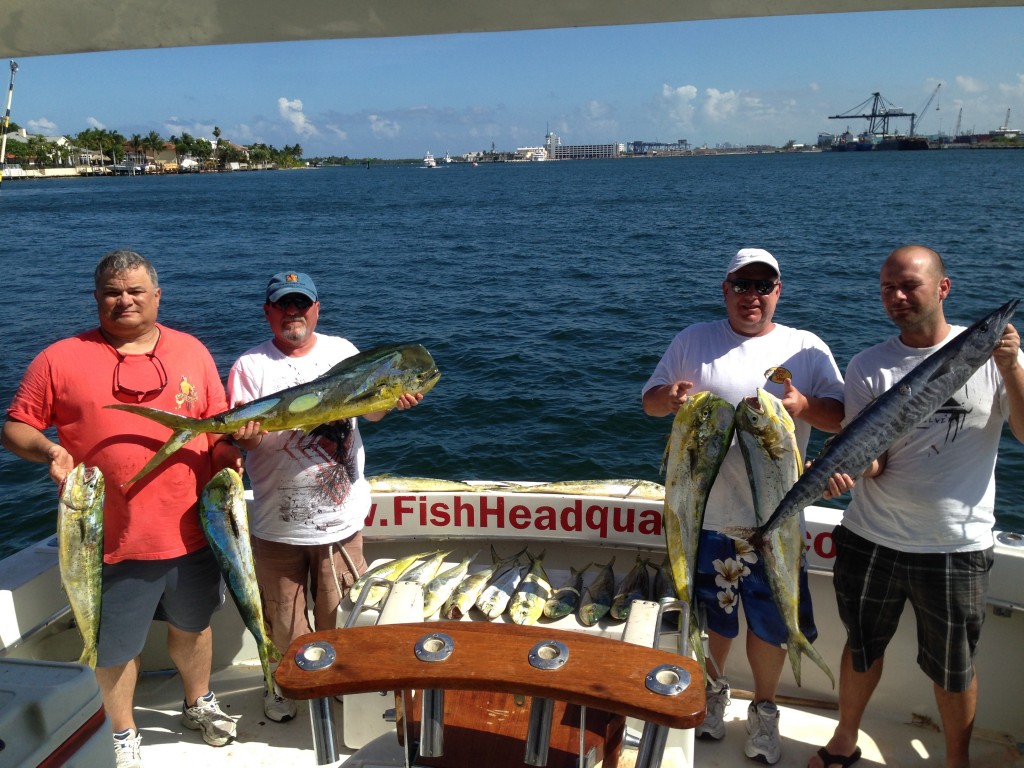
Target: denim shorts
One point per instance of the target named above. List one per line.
(727, 579)
(946, 591)
(183, 591)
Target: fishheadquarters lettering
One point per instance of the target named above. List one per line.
(453, 513)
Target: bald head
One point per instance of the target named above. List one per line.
(914, 285)
(928, 261)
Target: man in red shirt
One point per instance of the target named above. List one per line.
(157, 563)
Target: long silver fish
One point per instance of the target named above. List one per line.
(373, 380)
(226, 525)
(767, 438)
(440, 588)
(597, 598)
(625, 489)
(80, 552)
(426, 570)
(566, 598)
(700, 438)
(895, 413)
(399, 484)
(635, 586)
(392, 570)
(496, 596)
(527, 604)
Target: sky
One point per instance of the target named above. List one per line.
(741, 81)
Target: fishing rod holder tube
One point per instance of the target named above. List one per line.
(315, 657)
(432, 649)
(547, 655)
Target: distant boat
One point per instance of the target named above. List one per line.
(448, 158)
(429, 161)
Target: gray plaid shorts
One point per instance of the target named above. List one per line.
(946, 590)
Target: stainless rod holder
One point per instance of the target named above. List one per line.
(322, 720)
(432, 723)
(538, 733)
(652, 746)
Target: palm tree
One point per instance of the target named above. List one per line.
(153, 143)
(216, 136)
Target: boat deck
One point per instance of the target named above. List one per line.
(168, 744)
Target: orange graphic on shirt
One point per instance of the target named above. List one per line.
(186, 396)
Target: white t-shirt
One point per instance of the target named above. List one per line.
(717, 359)
(937, 491)
(307, 488)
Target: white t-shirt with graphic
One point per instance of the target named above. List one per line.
(937, 491)
(307, 488)
(717, 359)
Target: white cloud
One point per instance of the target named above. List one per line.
(814, 87)
(42, 125)
(292, 112)
(1014, 91)
(92, 122)
(721, 106)
(970, 84)
(383, 128)
(338, 132)
(680, 102)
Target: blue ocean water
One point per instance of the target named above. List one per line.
(546, 292)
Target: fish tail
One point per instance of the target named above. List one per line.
(176, 441)
(174, 421)
(801, 644)
(89, 655)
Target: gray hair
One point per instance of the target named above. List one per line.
(120, 261)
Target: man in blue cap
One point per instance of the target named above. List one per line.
(310, 497)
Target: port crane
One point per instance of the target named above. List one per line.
(914, 122)
(881, 112)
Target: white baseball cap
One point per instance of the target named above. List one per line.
(745, 256)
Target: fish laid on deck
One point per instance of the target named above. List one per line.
(895, 413)
(80, 551)
(225, 522)
(596, 600)
(566, 598)
(399, 484)
(392, 571)
(636, 585)
(437, 591)
(527, 604)
(701, 433)
(765, 432)
(619, 489)
(373, 380)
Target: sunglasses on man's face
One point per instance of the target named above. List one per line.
(298, 301)
(742, 285)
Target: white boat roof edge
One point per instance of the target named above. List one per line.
(50, 27)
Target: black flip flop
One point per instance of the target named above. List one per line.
(841, 760)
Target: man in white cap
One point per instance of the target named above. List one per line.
(732, 358)
(310, 497)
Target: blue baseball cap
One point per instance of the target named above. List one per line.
(283, 283)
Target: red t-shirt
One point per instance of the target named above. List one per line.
(67, 385)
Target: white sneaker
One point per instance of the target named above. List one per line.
(206, 716)
(718, 698)
(277, 708)
(126, 749)
(763, 733)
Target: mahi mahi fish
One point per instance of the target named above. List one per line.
(566, 598)
(765, 432)
(373, 380)
(597, 598)
(440, 588)
(527, 604)
(465, 594)
(80, 552)
(636, 585)
(701, 434)
(496, 596)
(226, 525)
(894, 414)
(621, 489)
(391, 570)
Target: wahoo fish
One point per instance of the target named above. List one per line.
(226, 525)
(398, 484)
(373, 380)
(635, 586)
(527, 604)
(624, 489)
(495, 597)
(767, 438)
(80, 552)
(464, 596)
(701, 434)
(566, 598)
(597, 598)
(894, 414)
(391, 570)
(437, 591)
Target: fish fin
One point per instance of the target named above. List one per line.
(801, 644)
(741, 533)
(89, 655)
(176, 441)
(174, 421)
